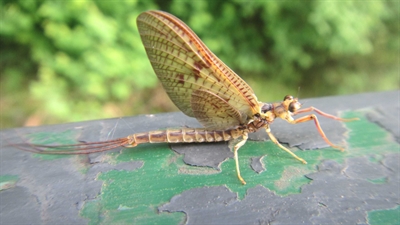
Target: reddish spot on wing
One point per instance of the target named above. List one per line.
(196, 70)
(180, 78)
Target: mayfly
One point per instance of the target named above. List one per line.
(203, 87)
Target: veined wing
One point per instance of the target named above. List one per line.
(184, 64)
(214, 112)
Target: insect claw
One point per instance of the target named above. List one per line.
(339, 148)
(302, 160)
(240, 178)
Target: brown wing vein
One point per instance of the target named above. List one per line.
(208, 57)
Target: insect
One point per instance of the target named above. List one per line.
(203, 87)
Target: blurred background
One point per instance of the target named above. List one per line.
(64, 61)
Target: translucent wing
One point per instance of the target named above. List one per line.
(214, 112)
(184, 64)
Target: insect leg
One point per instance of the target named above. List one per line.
(235, 154)
(273, 139)
(310, 109)
(321, 132)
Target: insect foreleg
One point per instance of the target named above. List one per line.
(235, 155)
(321, 132)
(310, 109)
(273, 139)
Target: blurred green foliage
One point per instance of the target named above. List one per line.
(77, 60)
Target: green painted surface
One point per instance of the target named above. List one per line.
(51, 138)
(385, 217)
(133, 196)
(8, 181)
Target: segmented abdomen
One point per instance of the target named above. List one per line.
(184, 135)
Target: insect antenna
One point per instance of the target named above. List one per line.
(298, 93)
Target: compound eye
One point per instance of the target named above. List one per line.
(288, 97)
(294, 106)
